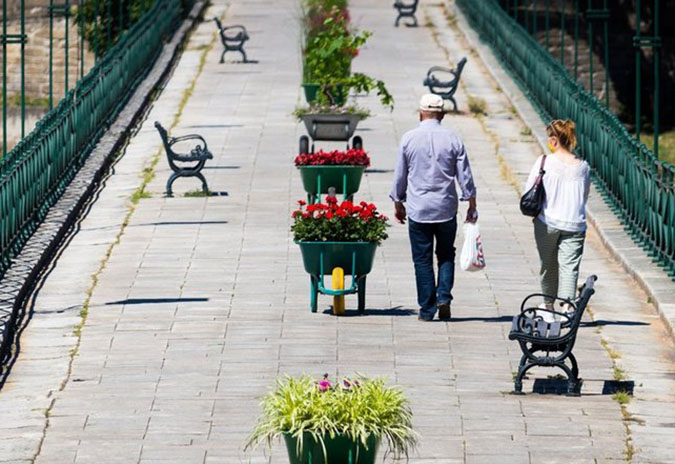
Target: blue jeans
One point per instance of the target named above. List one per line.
(422, 236)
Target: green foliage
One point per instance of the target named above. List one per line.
(328, 54)
(331, 109)
(98, 17)
(343, 223)
(666, 145)
(357, 408)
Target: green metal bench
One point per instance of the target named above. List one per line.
(199, 155)
(550, 344)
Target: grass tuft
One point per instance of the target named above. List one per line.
(198, 193)
(477, 106)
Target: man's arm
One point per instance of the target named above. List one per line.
(466, 183)
(398, 191)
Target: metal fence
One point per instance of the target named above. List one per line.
(37, 170)
(638, 187)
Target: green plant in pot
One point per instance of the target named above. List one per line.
(328, 55)
(337, 421)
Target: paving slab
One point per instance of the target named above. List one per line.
(202, 302)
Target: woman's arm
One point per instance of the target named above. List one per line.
(534, 172)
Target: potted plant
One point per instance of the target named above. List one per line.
(328, 55)
(338, 239)
(336, 421)
(341, 170)
(330, 122)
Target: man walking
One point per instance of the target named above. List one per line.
(430, 159)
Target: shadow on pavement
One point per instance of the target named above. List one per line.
(129, 301)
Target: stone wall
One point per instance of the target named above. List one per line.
(37, 52)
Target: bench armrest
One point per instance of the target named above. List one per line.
(187, 137)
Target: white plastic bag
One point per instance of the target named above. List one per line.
(472, 258)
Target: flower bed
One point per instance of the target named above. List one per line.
(343, 222)
(335, 418)
(353, 157)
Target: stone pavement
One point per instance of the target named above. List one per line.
(198, 304)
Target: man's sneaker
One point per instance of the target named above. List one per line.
(444, 311)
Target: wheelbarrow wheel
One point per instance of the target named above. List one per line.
(304, 145)
(357, 142)
(362, 294)
(338, 284)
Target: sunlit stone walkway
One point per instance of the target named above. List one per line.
(200, 303)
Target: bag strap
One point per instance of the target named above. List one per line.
(540, 177)
(541, 167)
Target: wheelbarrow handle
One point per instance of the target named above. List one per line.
(353, 287)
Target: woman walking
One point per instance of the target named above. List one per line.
(560, 227)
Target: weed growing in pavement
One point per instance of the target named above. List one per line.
(477, 106)
(198, 193)
(526, 132)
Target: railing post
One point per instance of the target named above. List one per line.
(562, 34)
(576, 40)
(534, 19)
(605, 18)
(657, 68)
(638, 66)
(96, 51)
(51, 53)
(66, 15)
(547, 24)
(590, 48)
(109, 24)
(4, 77)
(80, 7)
(23, 69)
(12, 39)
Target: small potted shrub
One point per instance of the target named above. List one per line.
(341, 170)
(335, 421)
(328, 55)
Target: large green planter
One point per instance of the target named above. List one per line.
(339, 450)
(316, 180)
(312, 92)
(353, 257)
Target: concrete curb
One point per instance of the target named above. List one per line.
(651, 278)
(26, 270)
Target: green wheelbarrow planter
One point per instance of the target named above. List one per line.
(338, 259)
(339, 450)
(316, 180)
(312, 93)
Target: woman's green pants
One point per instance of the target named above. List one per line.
(560, 256)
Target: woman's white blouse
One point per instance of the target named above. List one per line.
(566, 193)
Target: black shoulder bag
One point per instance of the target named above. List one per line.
(532, 201)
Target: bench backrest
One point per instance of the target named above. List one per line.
(585, 294)
(163, 134)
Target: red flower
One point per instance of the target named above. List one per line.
(302, 202)
(352, 157)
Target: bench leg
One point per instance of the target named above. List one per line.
(518, 383)
(398, 18)
(222, 57)
(414, 23)
(205, 187)
(575, 366)
(454, 103)
(169, 183)
(243, 54)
